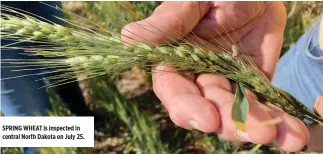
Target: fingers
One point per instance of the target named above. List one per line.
(217, 89)
(187, 108)
(318, 106)
(210, 111)
(170, 21)
(292, 133)
(208, 80)
(316, 142)
(257, 115)
(193, 112)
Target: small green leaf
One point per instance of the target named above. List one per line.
(240, 108)
(254, 149)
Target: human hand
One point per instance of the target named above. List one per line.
(204, 101)
(316, 130)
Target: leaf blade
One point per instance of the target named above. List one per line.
(240, 108)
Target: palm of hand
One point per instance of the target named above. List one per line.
(256, 27)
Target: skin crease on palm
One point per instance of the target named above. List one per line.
(203, 101)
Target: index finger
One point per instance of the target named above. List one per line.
(186, 106)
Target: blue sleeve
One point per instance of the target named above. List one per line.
(300, 70)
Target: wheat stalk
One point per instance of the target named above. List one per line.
(82, 50)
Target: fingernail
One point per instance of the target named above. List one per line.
(243, 136)
(194, 124)
(318, 106)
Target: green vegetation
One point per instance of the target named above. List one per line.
(140, 124)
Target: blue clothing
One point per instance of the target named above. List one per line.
(300, 70)
(22, 96)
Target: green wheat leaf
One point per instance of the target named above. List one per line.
(254, 149)
(240, 108)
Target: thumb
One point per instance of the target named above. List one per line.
(318, 106)
(170, 21)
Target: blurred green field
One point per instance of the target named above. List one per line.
(300, 17)
(135, 121)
